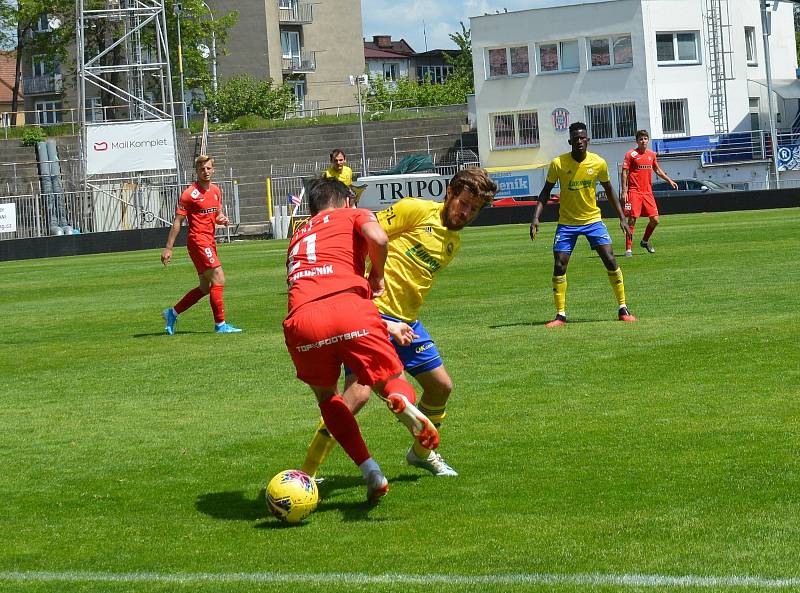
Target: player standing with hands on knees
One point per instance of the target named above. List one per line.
(201, 205)
(332, 321)
(578, 172)
(637, 189)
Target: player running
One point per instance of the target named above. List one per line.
(637, 189)
(201, 205)
(423, 239)
(332, 321)
(578, 172)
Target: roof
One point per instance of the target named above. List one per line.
(384, 53)
(788, 88)
(8, 65)
(398, 47)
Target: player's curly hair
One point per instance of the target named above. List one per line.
(326, 193)
(477, 181)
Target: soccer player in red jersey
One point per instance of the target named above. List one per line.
(332, 321)
(637, 189)
(201, 205)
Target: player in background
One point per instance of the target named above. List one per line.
(332, 321)
(201, 205)
(338, 169)
(423, 239)
(637, 189)
(578, 172)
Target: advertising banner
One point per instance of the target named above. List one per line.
(8, 218)
(129, 147)
(381, 191)
(518, 181)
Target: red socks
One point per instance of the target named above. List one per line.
(343, 426)
(629, 239)
(401, 386)
(648, 231)
(189, 299)
(217, 304)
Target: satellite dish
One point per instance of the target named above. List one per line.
(54, 22)
(204, 51)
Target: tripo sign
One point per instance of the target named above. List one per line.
(382, 191)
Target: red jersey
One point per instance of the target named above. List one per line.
(327, 255)
(640, 170)
(201, 209)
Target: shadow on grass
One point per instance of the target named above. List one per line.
(162, 334)
(541, 323)
(233, 506)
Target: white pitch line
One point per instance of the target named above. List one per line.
(625, 580)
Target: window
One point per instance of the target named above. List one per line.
(434, 74)
(42, 24)
(48, 112)
(750, 46)
(290, 45)
(677, 48)
(390, 71)
(674, 118)
(610, 52)
(560, 56)
(515, 130)
(500, 58)
(611, 121)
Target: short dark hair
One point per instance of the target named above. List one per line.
(578, 125)
(640, 133)
(336, 152)
(326, 193)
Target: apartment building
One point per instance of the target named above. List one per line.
(692, 72)
(315, 47)
(394, 59)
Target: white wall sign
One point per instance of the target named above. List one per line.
(128, 147)
(8, 218)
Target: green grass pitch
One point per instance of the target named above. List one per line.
(602, 456)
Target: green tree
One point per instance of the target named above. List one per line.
(18, 32)
(462, 62)
(244, 95)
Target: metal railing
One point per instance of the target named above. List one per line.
(306, 61)
(42, 85)
(299, 13)
(106, 206)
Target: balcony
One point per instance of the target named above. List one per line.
(47, 84)
(300, 64)
(296, 13)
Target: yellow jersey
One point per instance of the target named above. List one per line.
(578, 200)
(346, 176)
(419, 247)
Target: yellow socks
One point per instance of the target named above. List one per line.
(321, 446)
(560, 294)
(616, 282)
(435, 414)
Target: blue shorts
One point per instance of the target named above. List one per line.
(567, 235)
(418, 357)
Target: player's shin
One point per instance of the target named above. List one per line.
(436, 414)
(321, 446)
(617, 283)
(343, 426)
(560, 294)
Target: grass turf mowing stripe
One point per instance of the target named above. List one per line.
(596, 579)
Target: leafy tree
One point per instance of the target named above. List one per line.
(18, 23)
(462, 63)
(244, 95)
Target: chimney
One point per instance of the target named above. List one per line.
(383, 41)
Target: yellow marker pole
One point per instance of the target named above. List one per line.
(269, 197)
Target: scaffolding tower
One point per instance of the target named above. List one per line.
(720, 69)
(123, 59)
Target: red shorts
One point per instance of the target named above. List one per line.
(204, 257)
(343, 329)
(640, 204)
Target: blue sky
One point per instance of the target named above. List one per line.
(403, 20)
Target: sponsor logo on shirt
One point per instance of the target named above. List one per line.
(422, 257)
(195, 195)
(325, 270)
(580, 184)
(424, 347)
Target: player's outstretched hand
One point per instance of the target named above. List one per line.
(400, 331)
(166, 256)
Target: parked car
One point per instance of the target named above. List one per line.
(688, 187)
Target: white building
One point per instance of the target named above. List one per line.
(692, 72)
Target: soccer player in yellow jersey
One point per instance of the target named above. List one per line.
(423, 240)
(338, 169)
(577, 172)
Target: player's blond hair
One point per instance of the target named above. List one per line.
(202, 160)
(477, 181)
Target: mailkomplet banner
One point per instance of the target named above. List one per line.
(130, 147)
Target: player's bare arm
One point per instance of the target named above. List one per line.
(378, 249)
(400, 331)
(166, 255)
(624, 188)
(612, 199)
(660, 172)
(544, 196)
